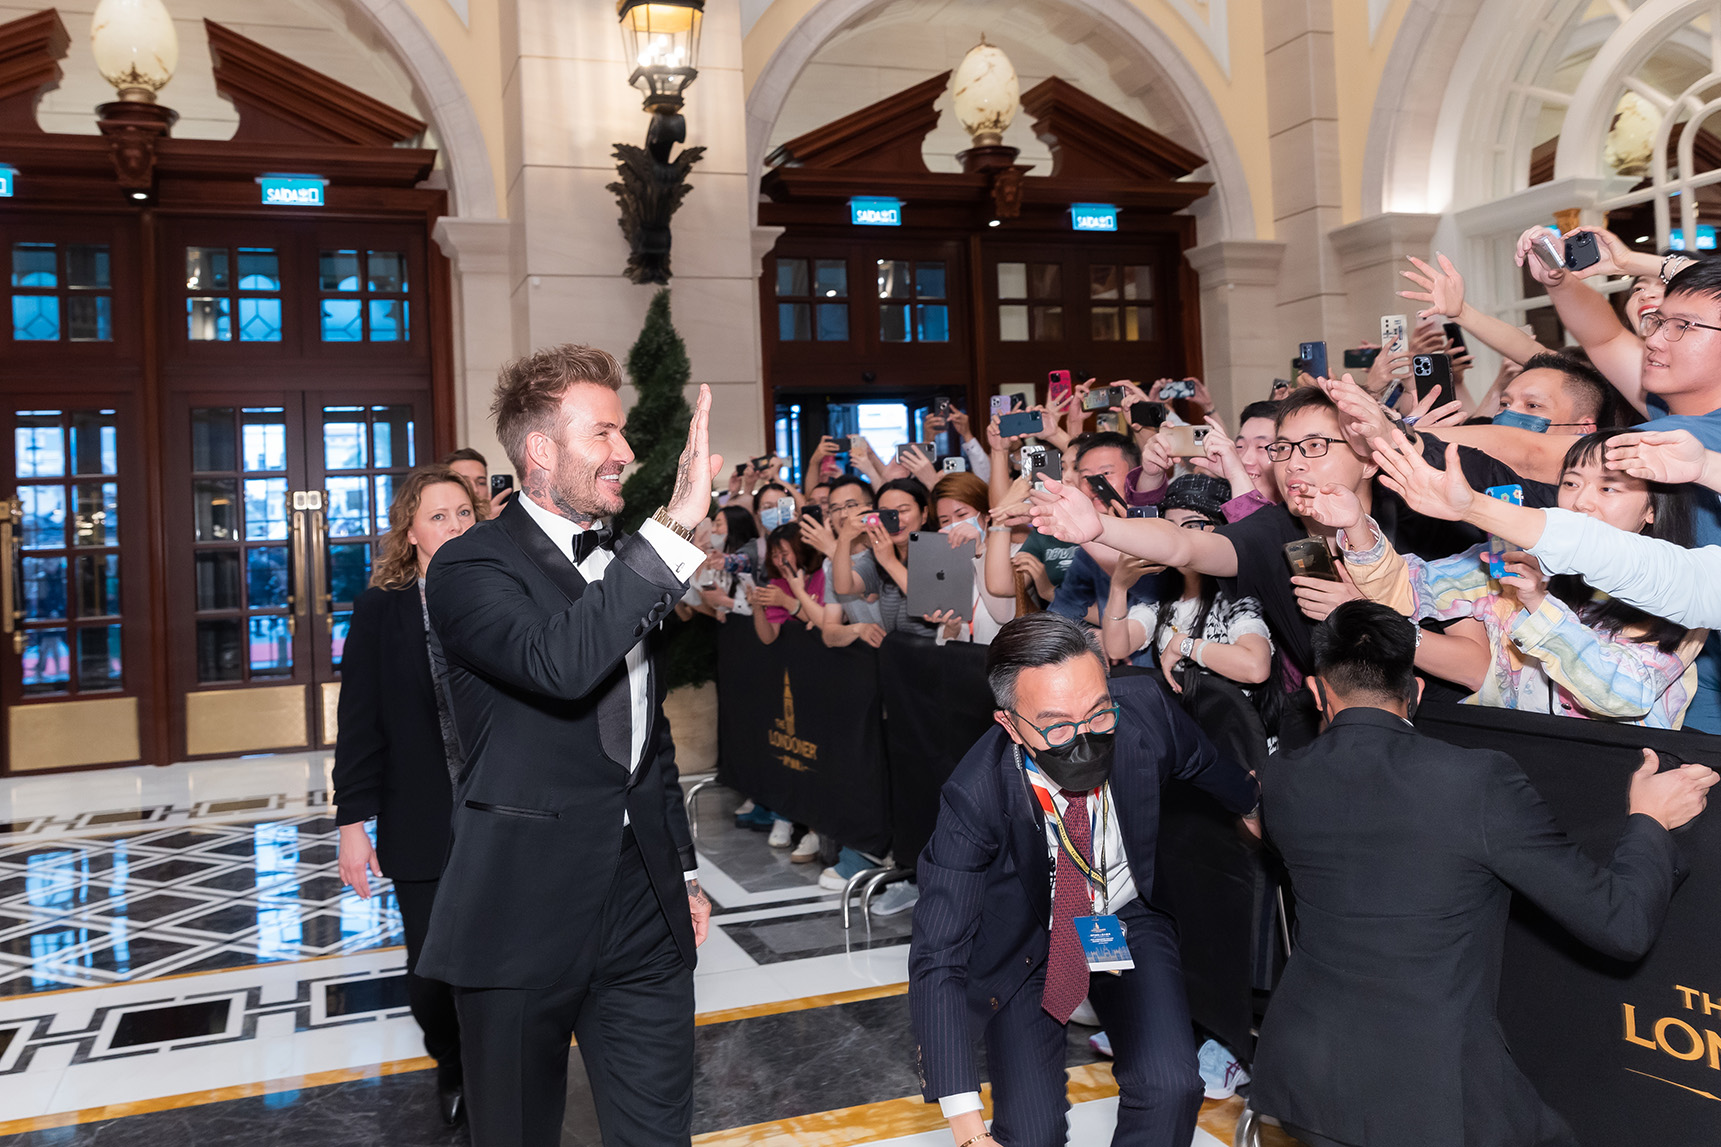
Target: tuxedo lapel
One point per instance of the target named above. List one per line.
(540, 550)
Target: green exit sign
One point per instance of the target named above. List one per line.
(292, 190)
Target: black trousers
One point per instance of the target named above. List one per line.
(628, 999)
(432, 1000)
(1146, 1014)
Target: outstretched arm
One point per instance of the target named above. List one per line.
(1069, 515)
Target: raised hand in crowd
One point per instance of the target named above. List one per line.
(919, 466)
(1525, 579)
(1034, 570)
(1222, 459)
(1334, 506)
(959, 423)
(1428, 416)
(1672, 457)
(1673, 798)
(961, 533)
(1064, 511)
(863, 459)
(1156, 464)
(1442, 289)
(817, 534)
(1076, 417)
(1054, 435)
(1014, 509)
(1433, 493)
(1364, 419)
(1385, 370)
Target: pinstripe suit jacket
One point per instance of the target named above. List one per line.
(981, 926)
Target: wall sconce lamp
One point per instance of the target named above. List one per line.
(136, 50)
(661, 40)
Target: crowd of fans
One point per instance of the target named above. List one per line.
(1196, 552)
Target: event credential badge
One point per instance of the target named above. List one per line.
(1104, 944)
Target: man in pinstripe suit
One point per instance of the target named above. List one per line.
(1046, 831)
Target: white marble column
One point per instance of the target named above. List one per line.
(484, 338)
(1240, 331)
(567, 102)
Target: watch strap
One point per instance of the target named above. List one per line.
(662, 518)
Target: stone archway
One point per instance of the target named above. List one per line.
(1234, 215)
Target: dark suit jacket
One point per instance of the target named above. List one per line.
(531, 647)
(389, 758)
(1403, 852)
(981, 924)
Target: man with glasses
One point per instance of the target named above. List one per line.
(1036, 888)
(1308, 452)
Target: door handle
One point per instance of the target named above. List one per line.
(12, 571)
(295, 561)
(317, 559)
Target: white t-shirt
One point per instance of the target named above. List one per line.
(1228, 620)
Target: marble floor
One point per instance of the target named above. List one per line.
(180, 962)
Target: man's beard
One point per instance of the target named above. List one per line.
(581, 496)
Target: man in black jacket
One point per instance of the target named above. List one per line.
(1045, 834)
(1404, 852)
(570, 903)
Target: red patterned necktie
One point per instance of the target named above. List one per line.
(1067, 963)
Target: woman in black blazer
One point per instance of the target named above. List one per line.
(396, 753)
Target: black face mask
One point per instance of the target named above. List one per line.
(1080, 766)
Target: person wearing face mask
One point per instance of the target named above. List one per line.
(962, 504)
(1404, 852)
(1525, 641)
(880, 571)
(773, 506)
(1037, 885)
(397, 753)
(1559, 394)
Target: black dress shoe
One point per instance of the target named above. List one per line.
(451, 1101)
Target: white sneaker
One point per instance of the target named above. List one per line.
(744, 807)
(899, 897)
(808, 850)
(1221, 1074)
(782, 834)
(832, 881)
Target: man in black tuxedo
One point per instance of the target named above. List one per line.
(1404, 852)
(1047, 830)
(570, 902)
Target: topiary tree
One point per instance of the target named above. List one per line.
(657, 424)
(657, 431)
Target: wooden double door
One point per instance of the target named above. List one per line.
(213, 609)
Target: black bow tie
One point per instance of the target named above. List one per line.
(595, 538)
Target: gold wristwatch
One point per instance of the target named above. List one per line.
(662, 518)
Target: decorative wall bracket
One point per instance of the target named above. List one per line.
(652, 187)
(132, 130)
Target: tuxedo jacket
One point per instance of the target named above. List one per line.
(982, 924)
(390, 761)
(531, 648)
(1403, 853)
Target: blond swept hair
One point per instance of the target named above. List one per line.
(529, 390)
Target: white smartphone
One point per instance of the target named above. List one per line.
(1394, 335)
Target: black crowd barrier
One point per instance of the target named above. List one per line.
(856, 743)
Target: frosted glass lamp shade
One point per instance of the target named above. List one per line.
(986, 94)
(661, 42)
(135, 46)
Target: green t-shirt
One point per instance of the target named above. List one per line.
(1056, 556)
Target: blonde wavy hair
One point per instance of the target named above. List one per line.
(396, 565)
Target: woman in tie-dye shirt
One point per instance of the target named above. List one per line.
(1527, 641)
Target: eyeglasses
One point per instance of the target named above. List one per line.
(1064, 732)
(845, 507)
(1308, 448)
(1671, 329)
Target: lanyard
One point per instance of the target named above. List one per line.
(1095, 875)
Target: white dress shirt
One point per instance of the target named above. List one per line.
(681, 556)
(1119, 882)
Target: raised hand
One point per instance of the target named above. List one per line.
(1433, 493)
(919, 467)
(1615, 255)
(1442, 289)
(1364, 417)
(697, 469)
(1131, 569)
(1526, 579)
(1387, 369)
(1673, 457)
(1063, 511)
(1525, 257)
(1331, 505)
(959, 423)
(818, 535)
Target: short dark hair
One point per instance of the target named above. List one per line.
(464, 454)
(1592, 395)
(1105, 439)
(529, 392)
(1263, 409)
(1701, 278)
(856, 480)
(1032, 642)
(1365, 649)
(909, 486)
(768, 486)
(1301, 399)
